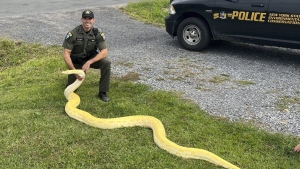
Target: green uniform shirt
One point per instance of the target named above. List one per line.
(81, 43)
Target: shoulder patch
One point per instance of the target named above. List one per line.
(103, 36)
(69, 34)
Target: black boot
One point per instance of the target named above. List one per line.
(102, 96)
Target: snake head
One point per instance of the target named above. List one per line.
(76, 71)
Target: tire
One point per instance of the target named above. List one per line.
(193, 34)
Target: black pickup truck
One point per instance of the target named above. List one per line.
(264, 22)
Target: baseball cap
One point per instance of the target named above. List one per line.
(87, 13)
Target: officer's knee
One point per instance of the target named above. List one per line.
(105, 64)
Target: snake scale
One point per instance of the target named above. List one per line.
(159, 134)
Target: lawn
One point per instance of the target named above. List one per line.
(35, 132)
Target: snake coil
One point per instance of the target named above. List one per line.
(157, 127)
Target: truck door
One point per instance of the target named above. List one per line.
(241, 18)
(284, 21)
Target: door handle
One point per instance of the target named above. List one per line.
(234, 1)
(257, 5)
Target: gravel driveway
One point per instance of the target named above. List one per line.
(237, 81)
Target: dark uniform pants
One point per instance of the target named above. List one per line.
(104, 66)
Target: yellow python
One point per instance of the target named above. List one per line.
(157, 127)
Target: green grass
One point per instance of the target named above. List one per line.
(35, 132)
(149, 11)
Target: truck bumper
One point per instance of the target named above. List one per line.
(170, 23)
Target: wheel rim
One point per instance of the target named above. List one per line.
(191, 35)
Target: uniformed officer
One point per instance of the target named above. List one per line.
(85, 47)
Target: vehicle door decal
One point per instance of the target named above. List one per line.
(242, 15)
(277, 18)
(292, 19)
